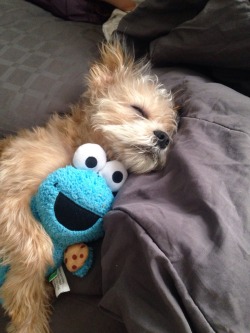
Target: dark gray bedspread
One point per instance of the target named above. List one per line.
(176, 254)
(43, 60)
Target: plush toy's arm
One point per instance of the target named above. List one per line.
(3, 270)
(78, 259)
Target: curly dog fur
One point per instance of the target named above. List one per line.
(129, 114)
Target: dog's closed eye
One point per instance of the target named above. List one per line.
(139, 111)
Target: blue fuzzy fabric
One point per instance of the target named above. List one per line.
(84, 188)
(3, 271)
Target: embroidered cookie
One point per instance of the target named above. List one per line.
(75, 256)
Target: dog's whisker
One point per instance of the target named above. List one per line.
(142, 149)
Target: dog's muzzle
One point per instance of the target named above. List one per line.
(72, 216)
(162, 139)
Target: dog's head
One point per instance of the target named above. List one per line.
(130, 109)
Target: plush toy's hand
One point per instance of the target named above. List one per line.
(75, 256)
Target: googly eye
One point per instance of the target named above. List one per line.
(115, 175)
(89, 156)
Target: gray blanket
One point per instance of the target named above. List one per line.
(176, 254)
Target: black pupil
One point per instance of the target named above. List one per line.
(91, 162)
(117, 177)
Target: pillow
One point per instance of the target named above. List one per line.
(208, 33)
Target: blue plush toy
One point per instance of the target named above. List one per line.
(72, 201)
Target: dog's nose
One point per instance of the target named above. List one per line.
(162, 139)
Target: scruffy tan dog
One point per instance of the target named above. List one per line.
(129, 114)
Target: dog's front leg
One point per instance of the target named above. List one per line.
(28, 306)
(28, 251)
(25, 292)
(24, 245)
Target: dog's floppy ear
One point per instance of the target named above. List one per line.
(115, 60)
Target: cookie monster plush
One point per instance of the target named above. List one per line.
(72, 201)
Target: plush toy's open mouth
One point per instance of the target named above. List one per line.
(72, 216)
